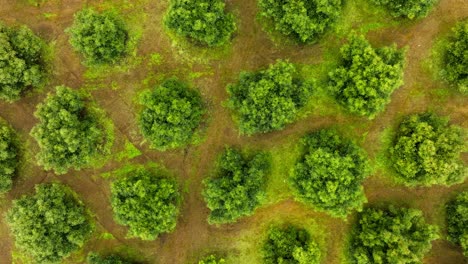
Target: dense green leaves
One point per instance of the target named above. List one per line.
(146, 202)
(238, 187)
(367, 77)
(290, 245)
(212, 259)
(94, 258)
(456, 58)
(201, 20)
(268, 100)
(100, 37)
(67, 133)
(426, 151)
(457, 221)
(411, 9)
(8, 157)
(304, 20)
(330, 172)
(171, 114)
(393, 235)
(49, 225)
(22, 63)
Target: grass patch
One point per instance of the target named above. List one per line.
(129, 152)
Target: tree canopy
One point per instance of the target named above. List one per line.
(330, 172)
(171, 114)
(94, 258)
(238, 186)
(9, 157)
(455, 61)
(147, 202)
(203, 21)
(412, 9)
(212, 259)
(457, 221)
(268, 100)
(68, 134)
(50, 224)
(304, 20)
(100, 37)
(391, 235)
(367, 76)
(22, 64)
(426, 151)
(290, 245)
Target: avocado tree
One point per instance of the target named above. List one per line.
(50, 224)
(203, 21)
(147, 202)
(171, 114)
(68, 134)
(212, 259)
(391, 235)
(455, 62)
(303, 20)
(100, 37)
(238, 186)
(457, 221)
(22, 64)
(268, 100)
(367, 76)
(329, 173)
(412, 9)
(426, 151)
(9, 157)
(94, 258)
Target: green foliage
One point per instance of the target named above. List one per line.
(201, 20)
(457, 221)
(238, 187)
(49, 225)
(290, 245)
(22, 64)
(94, 258)
(100, 37)
(171, 114)
(426, 151)
(367, 77)
(412, 9)
(67, 133)
(146, 202)
(393, 235)
(8, 157)
(456, 58)
(330, 172)
(212, 259)
(268, 100)
(304, 20)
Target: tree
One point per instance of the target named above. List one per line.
(329, 173)
(68, 134)
(412, 9)
(304, 20)
(457, 221)
(391, 235)
(100, 37)
(238, 186)
(172, 113)
(268, 100)
(367, 77)
(9, 157)
(212, 259)
(22, 64)
(203, 21)
(49, 225)
(146, 202)
(94, 258)
(290, 245)
(426, 151)
(455, 61)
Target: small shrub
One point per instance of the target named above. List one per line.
(172, 113)
(426, 151)
(290, 245)
(49, 225)
(457, 221)
(393, 235)
(204, 21)
(330, 172)
(268, 100)
(412, 9)
(94, 258)
(212, 259)
(455, 61)
(8, 157)
(146, 202)
(238, 187)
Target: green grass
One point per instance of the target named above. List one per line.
(129, 152)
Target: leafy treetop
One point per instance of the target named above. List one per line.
(212, 259)
(457, 221)
(94, 258)
(456, 58)
(412, 9)
(8, 157)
